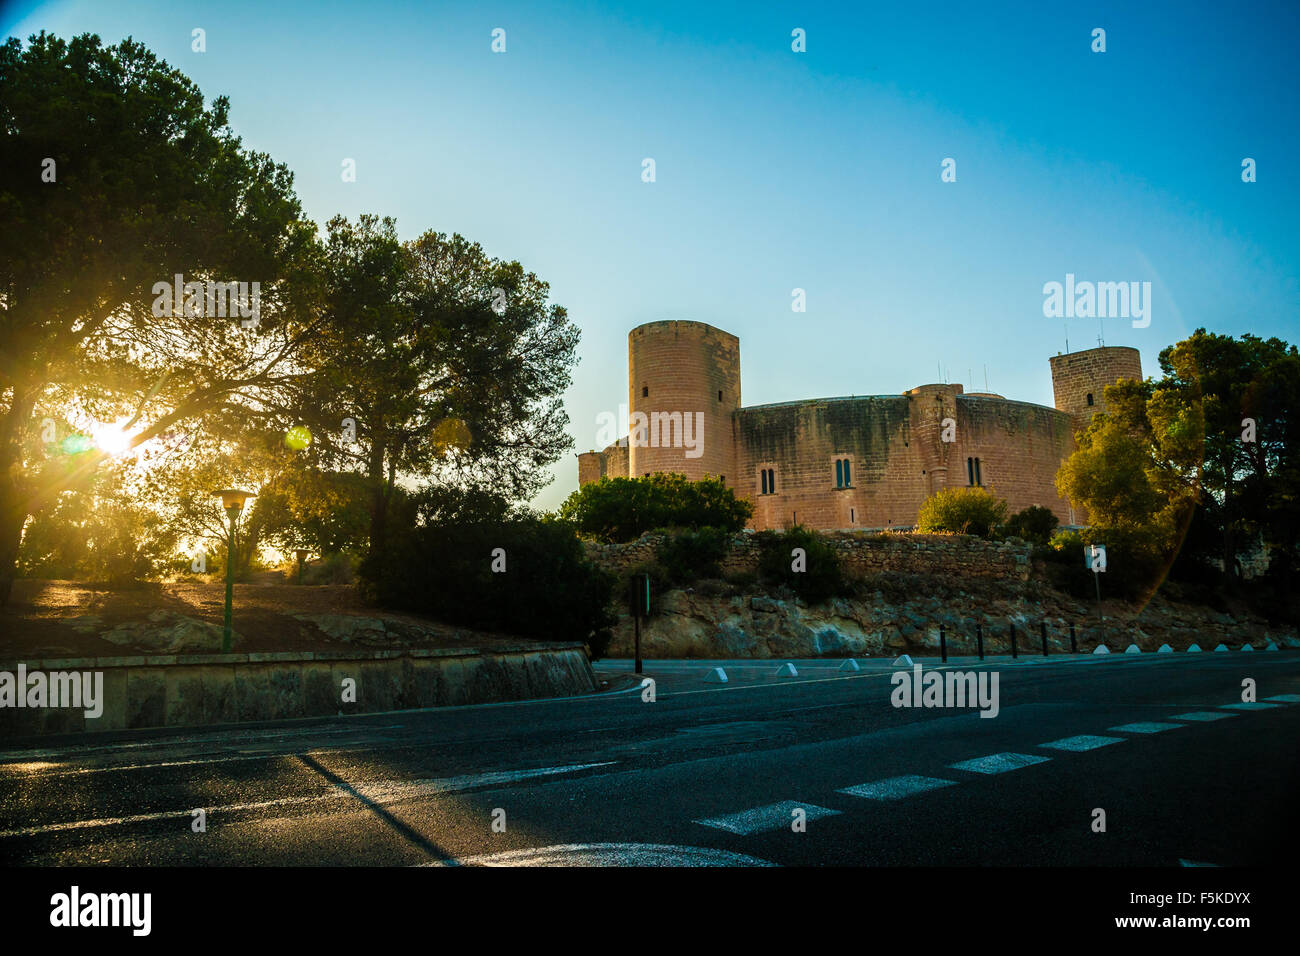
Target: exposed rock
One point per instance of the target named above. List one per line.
(350, 628)
(167, 632)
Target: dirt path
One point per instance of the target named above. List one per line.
(64, 618)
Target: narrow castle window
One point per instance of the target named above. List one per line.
(645, 392)
(719, 394)
(973, 472)
(1090, 398)
(768, 478)
(852, 519)
(843, 474)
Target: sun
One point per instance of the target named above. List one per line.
(112, 439)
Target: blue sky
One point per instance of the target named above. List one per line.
(777, 170)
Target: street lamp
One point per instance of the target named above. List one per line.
(232, 499)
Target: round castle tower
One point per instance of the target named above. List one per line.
(930, 406)
(1079, 379)
(684, 378)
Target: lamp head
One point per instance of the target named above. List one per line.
(232, 498)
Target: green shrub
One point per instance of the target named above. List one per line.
(331, 569)
(548, 591)
(962, 511)
(1035, 524)
(1134, 567)
(688, 556)
(623, 509)
(821, 579)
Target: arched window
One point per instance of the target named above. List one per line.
(843, 473)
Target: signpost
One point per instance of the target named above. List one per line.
(1094, 559)
(638, 599)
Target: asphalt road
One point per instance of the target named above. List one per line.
(708, 774)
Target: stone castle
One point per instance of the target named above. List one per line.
(844, 463)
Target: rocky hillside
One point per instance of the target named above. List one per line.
(715, 620)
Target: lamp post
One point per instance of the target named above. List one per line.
(232, 500)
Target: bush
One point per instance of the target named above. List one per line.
(821, 579)
(623, 509)
(1134, 567)
(338, 568)
(962, 511)
(1035, 524)
(548, 590)
(688, 556)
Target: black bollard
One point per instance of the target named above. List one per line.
(979, 640)
(943, 644)
(1044, 627)
(1074, 648)
(1013, 641)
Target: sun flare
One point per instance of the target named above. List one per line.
(112, 439)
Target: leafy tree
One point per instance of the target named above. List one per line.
(1248, 393)
(101, 532)
(437, 362)
(623, 509)
(1178, 464)
(325, 512)
(148, 182)
(962, 511)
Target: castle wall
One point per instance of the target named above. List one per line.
(800, 441)
(860, 554)
(897, 456)
(1020, 447)
(894, 444)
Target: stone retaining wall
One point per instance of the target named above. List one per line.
(860, 554)
(199, 689)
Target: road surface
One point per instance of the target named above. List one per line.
(708, 774)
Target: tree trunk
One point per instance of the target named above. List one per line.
(13, 506)
(11, 535)
(378, 504)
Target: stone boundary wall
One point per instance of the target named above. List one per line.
(201, 689)
(860, 554)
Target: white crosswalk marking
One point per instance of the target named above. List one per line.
(999, 763)
(1250, 705)
(774, 816)
(1082, 742)
(896, 788)
(1205, 715)
(1144, 727)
